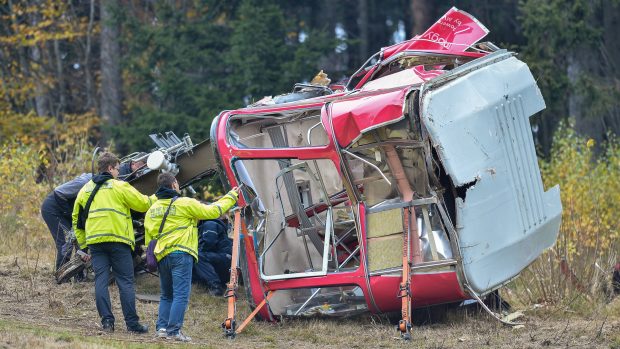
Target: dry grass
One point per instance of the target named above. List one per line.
(35, 312)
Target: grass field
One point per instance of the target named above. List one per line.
(37, 313)
(565, 294)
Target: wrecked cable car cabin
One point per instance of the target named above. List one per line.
(419, 180)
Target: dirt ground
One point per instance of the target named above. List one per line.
(37, 313)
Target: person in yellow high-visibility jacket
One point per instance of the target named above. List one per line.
(108, 233)
(177, 248)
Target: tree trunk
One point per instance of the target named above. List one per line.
(586, 124)
(88, 77)
(41, 100)
(421, 10)
(111, 83)
(595, 110)
(351, 26)
(23, 66)
(362, 23)
(60, 83)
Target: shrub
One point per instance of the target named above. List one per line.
(36, 155)
(580, 265)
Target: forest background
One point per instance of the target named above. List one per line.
(84, 73)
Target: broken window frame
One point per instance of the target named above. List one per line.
(280, 120)
(351, 151)
(411, 58)
(329, 291)
(422, 204)
(331, 241)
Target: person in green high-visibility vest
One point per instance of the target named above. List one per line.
(177, 248)
(103, 224)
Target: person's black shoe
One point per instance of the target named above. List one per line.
(107, 326)
(139, 328)
(216, 291)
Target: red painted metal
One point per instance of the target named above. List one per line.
(256, 285)
(454, 32)
(353, 117)
(426, 289)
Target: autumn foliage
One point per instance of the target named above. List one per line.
(37, 154)
(578, 269)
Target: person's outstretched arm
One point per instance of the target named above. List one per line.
(215, 210)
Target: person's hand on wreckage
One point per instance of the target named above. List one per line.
(84, 256)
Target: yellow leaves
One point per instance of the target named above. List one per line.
(49, 141)
(191, 14)
(590, 192)
(32, 149)
(34, 24)
(25, 128)
(18, 164)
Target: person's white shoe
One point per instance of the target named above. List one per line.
(181, 337)
(161, 333)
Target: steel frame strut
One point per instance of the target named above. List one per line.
(230, 324)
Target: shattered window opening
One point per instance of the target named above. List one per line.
(378, 163)
(298, 129)
(326, 301)
(310, 229)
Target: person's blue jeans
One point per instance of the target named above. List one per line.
(175, 280)
(118, 256)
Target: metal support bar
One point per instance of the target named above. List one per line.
(395, 142)
(349, 251)
(344, 236)
(253, 314)
(307, 301)
(429, 233)
(402, 204)
(369, 164)
(492, 313)
(351, 255)
(310, 131)
(341, 238)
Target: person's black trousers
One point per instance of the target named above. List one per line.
(118, 256)
(212, 269)
(57, 221)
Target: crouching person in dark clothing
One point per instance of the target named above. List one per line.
(56, 211)
(214, 253)
(177, 248)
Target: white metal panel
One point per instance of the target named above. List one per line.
(478, 122)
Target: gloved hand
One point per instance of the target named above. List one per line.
(84, 255)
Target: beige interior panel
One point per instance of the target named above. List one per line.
(385, 223)
(385, 252)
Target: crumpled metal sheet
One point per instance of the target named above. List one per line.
(479, 124)
(352, 117)
(454, 32)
